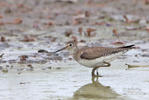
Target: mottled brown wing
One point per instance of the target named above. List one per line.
(96, 52)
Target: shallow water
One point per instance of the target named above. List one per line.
(74, 82)
(67, 80)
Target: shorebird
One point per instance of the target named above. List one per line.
(94, 57)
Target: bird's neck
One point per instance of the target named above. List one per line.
(75, 53)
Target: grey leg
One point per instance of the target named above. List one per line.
(107, 64)
(94, 79)
(93, 72)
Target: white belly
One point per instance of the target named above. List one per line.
(99, 61)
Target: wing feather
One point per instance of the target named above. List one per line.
(93, 53)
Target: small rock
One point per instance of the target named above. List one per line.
(17, 21)
(68, 33)
(1, 16)
(70, 59)
(5, 70)
(11, 66)
(89, 32)
(7, 66)
(1, 56)
(58, 68)
(118, 43)
(2, 39)
(80, 30)
(8, 10)
(67, 1)
(145, 55)
(83, 41)
(49, 23)
(87, 13)
(23, 58)
(53, 39)
(28, 39)
(146, 2)
(49, 67)
(42, 51)
(31, 67)
(2, 23)
(22, 82)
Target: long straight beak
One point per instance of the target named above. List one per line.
(61, 49)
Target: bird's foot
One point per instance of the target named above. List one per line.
(96, 75)
(93, 72)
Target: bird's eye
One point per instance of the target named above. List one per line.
(70, 44)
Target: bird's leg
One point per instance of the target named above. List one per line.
(94, 79)
(93, 72)
(97, 72)
(106, 64)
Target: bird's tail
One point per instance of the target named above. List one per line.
(128, 47)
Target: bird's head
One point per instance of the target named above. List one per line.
(70, 45)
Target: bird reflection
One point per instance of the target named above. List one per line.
(95, 91)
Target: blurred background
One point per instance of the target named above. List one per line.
(29, 26)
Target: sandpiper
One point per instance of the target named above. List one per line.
(94, 57)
